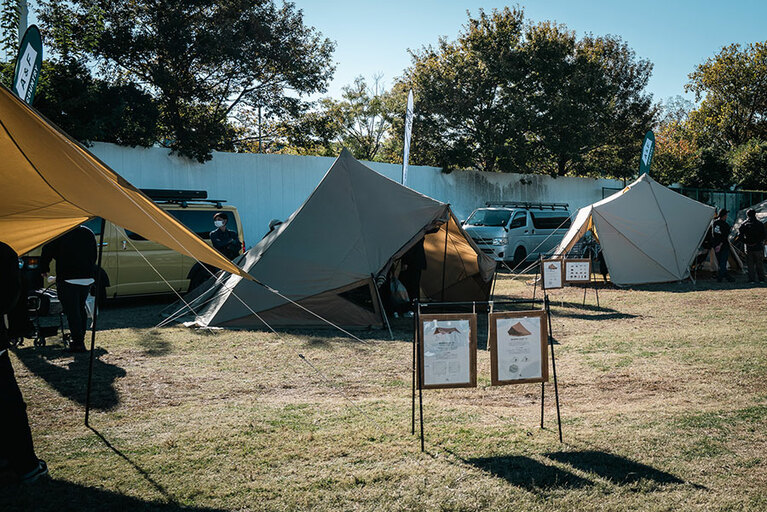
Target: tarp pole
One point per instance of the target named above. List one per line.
(93, 326)
(380, 305)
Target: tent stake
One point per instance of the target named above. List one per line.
(93, 327)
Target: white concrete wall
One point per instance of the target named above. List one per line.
(265, 187)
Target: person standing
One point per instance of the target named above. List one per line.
(721, 243)
(224, 240)
(753, 235)
(75, 255)
(16, 446)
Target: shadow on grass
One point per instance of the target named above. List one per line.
(586, 311)
(58, 495)
(618, 470)
(528, 473)
(152, 344)
(71, 378)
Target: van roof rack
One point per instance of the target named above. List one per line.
(526, 204)
(180, 197)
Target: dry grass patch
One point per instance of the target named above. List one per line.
(663, 398)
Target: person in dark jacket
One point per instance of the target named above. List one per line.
(75, 255)
(224, 240)
(720, 240)
(753, 236)
(16, 446)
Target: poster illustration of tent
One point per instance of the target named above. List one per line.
(448, 350)
(551, 270)
(518, 347)
(578, 270)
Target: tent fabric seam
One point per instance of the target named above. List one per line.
(668, 233)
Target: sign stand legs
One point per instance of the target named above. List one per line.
(415, 341)
(93, 327)
(554, 368)
(419, 371)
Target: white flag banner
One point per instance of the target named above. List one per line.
(408, 132)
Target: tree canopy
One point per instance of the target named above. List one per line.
(508, 95)
(203, 62)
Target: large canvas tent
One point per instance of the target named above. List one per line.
(648, 233)
(327, 254)
(51, 184)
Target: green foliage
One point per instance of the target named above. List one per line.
(733, 85)
(10, 12)
(89, 109)
(749, 164)
(204, 62)
(360, 121)
(515, 97)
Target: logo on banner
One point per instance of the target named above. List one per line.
(28, 64)
(408, 133)
(648, 148)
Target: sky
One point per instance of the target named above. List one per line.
(373, 37)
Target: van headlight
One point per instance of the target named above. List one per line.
(500, 241)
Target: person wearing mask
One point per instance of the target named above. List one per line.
(720, 230)
(75, 255)
(224, 240)
(753, 235)
(16, 447)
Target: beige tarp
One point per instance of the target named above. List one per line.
(325, 255)
(50, 184)
(648, 233)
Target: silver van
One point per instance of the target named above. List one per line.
(517, 231)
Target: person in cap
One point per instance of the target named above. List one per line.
(753, 235)
(224, 240)
(720, 230)
(16, 447)
(75, 254)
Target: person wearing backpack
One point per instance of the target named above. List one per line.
(16, 447)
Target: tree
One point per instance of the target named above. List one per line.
(733, 88)
(89, 109)
(203, 61)
(510, 96)
(360, 121)
(470, 106)
(749, 164)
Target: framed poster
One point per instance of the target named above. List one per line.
(518, 347)
(448, 350)
(551, 270)
(578, 270)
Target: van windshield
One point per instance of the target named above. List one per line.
(484, 217)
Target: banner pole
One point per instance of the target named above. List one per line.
(554, 368)
(93, 327)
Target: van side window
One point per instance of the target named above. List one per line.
(201, 221)
(94, 225)
(550, 220)
(519, 220)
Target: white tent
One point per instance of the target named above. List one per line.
(648, 233)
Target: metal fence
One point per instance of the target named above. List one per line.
(731, 200)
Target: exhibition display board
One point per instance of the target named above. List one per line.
(578, 271)
(518, 342)
(551, 270)
(448, 351)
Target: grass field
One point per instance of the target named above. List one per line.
(663, 401)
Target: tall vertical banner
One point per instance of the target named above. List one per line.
(408, 132)
(648, 148)
(28, 64)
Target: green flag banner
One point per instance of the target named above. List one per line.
(648, 148)
(28, 64)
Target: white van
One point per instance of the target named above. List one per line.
(517, 231)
